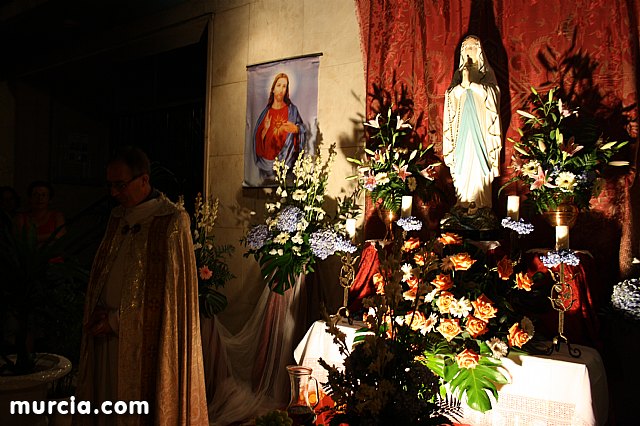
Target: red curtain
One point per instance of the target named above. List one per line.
(413, 44)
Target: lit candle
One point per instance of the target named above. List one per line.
(562, 237)
(407, 201)
(351, 227)
(513, 207)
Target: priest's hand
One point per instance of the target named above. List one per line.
(98, 324)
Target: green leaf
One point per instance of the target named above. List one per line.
(478, 383)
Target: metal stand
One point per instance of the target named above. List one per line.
(561, 300)
(347, 273)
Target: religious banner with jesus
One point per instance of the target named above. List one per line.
(282, 109)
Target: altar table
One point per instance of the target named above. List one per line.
(554, 390)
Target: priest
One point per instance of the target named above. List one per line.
(141, 339)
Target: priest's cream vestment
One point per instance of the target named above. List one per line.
(144, 273)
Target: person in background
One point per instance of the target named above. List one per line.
(141, 338)
(47, 222)
(9, 200)
(9, 203)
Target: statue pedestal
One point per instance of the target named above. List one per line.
(476, 224)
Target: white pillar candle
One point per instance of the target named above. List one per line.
(562, 237)
(351, 227)
(513, 207)
(407, 201)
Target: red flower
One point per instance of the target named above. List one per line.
(205, 273)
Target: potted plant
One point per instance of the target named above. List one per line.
(40, 295)
(443, 316)
(213, 271)
(297, 232)
(561, 154)
(394, 164)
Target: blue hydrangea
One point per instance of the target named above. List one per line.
(410, 223)
(626, 297)
(288, 219)
(556, 257)
(325, 242)
(344, 245)
(257, 236)
(519, 226)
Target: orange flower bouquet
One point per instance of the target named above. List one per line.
(446, 299)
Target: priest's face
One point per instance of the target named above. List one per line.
(128, 189)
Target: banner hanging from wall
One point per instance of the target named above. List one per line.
(282, 111)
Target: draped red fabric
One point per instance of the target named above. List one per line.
(414, 44)
(362, 284)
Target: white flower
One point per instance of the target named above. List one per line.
(461, 308)
(297, 239)
(299, 195)
(406, 271)
(197, 246)
(401, 124)
(302, 225)
(373, 123)
(382, 178)
(282, 238)
(279, 190)
(431, 295)
(284, 194)
(566, 181)
(296, 250)
(270, 207)
(530, 169)
(498, 347)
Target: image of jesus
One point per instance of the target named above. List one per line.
(279, 130)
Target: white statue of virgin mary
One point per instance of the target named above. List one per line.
(471, 129)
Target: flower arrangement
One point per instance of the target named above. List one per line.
(297, 230)
(213, 272)
(561, 153)
(442, 308)
(626, 298)
(390, 168)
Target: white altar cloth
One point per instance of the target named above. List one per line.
(554, 390)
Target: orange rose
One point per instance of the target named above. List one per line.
(476, 327)
(449, 238)
(517, 336)
(419, 322)
(445, 301)
(523, 282)
(505, 268)
(442, 282)
(378, 283)
(484, 309)
(411, 244)
(459, 262)
(411, 294)
(467, 359)
(449, 328)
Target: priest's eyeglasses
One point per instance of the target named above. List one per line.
(121, 185)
